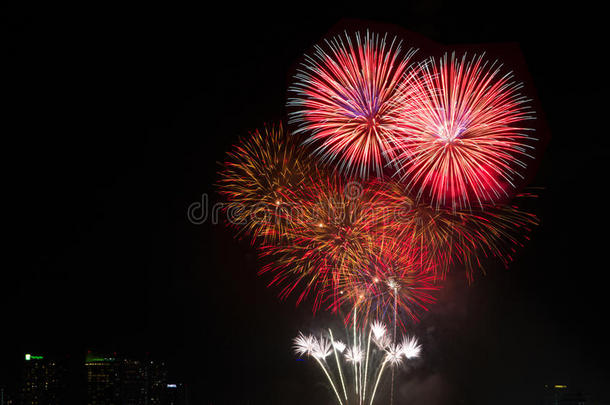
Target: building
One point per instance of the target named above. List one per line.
(560, 394)
(122, 381)
(175, 394)
(43, 381)
(5, 397)
(133, 382)
(157, 383)
(142, 382)
(103, 380)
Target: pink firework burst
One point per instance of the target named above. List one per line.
(347, 98)
(464, 142)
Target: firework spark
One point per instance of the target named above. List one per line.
(346, 96)
(464, 141)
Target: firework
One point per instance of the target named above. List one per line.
(304, 344)
(342, 251)
(446, 237)
(464, 142)
(378, 329)
(328, 242)
(351, 381)
(346, 97)
(454, 133)
(339, 346)
(410, 348)
(260, 179)
(495, 232)
(390, 284)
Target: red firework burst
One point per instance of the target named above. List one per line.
(447, 237)
(463, 140)
(340, 251)
(346, 96)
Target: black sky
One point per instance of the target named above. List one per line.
(114, 121)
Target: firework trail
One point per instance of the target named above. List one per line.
(260, 179)
(353, 362)
(463, 140)
(346, 97)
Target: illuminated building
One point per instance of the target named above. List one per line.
(142, 382)
(43, 381)
(122, 381)
(157, 382)
(560, 394)
(175, 394)
(103, 382)
(133, 378)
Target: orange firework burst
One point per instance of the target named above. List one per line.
(335, 229)
(260, 179)
(339, 250)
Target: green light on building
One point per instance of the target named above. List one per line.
(93, 358)
(29, 357)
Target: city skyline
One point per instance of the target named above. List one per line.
(107, 379)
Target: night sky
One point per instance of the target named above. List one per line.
(114, 122)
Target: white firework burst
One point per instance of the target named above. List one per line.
(322, 348)
(394, 354)
(339, 346)
(410, 347)
(304, 345)
(361, 357)
(354, 354)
